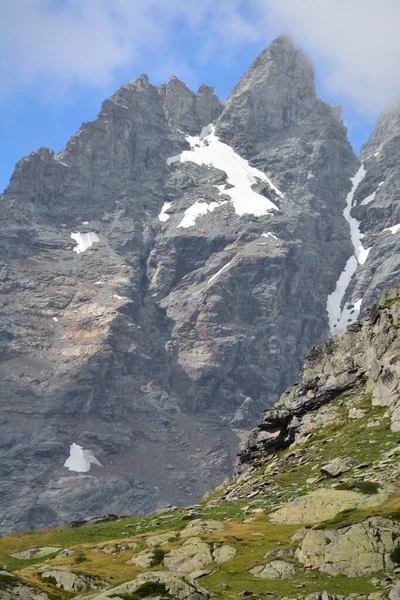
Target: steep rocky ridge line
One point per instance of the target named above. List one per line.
(146, 349)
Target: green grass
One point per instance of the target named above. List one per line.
(80, 557)
(364, 487)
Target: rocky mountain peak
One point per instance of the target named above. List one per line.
(276, 93)
(186, 111)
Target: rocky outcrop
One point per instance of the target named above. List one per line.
(364, 361)
(358, 550)
(276, 569)
(186, 111)
(161, 583)
(323, 504)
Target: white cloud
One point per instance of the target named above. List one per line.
(56, 43)
(87, 41)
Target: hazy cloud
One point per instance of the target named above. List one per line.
(356, 42)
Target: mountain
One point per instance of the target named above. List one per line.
(163, 277)
(313, 514)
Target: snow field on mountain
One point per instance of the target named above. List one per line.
(339, 318)
(207, 149)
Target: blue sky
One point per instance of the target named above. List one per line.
(62, 58)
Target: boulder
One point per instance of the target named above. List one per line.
(355, 551)
(66, 580)
(323, 504)
(202, 526)
(356, 413)
(276, 569)
(36, 552)
(337, 466)
(144, 559)
(395, 591)
(224, 553)
(193, 555)
(160, 583)
(162, 538)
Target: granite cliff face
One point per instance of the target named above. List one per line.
(161, 281)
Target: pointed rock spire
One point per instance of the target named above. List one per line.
(276, 92)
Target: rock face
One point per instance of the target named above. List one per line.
(363, 361)
(153, 304)
(362, 549)
(374, 218)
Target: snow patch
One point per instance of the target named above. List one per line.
(219, 272)
(117, 297)
(85, 222)
(163, 217)
(207, 149)
(79, 460)
(339, 318)
(198, 209)
(55, 319)
(369, 198)
(269, 234)
(394, 229)
(84, 240)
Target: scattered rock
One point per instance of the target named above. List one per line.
(36, 552)
(200, 527)
(224, 553)
(193, 555)
(144, 559)
(66, 580)
(162, 538)
(337, 466)
(276, 569)
(357, 413)
(94, 520)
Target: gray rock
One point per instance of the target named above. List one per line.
(193, 555)
(395, 592)
(276, 569)
(358, 550)
(40, 552)
(66, 580)
(224, 553)
(337, 466)
(165, 583)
